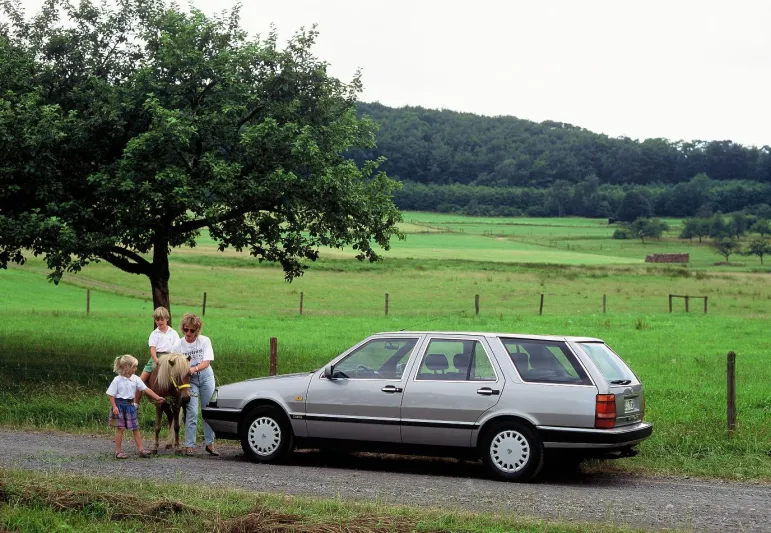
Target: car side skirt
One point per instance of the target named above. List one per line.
(387, 447)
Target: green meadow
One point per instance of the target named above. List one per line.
(55, 360)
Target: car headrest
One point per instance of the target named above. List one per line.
(437, 361)
(461, 361)
(520, 360)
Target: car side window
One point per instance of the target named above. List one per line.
(377, 359)
(456, 360)
(545, 362)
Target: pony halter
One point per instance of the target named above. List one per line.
(179, 387)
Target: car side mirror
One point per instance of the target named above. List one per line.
(328, 372)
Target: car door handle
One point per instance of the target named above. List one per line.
(487, 391)
(391, 389)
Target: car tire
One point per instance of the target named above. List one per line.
(512, 451)
(266, 435)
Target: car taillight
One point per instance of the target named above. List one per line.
(605, 412)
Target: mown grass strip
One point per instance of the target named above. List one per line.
(56, 502)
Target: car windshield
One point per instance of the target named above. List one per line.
(611, 365)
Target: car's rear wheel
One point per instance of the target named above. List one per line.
(266, 435)
(512, 451)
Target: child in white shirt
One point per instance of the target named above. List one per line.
(123, 412)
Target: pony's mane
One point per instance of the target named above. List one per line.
(166, 370)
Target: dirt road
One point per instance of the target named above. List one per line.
(655, 503)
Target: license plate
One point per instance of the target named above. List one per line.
(630, 405)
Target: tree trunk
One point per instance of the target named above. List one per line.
(159, 280)
(160, 288)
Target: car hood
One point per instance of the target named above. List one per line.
(291, 383)
(302, 375)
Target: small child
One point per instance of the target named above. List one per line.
(123, 414)
(160, 342)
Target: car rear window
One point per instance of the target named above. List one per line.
(545, 362)
(611, 365)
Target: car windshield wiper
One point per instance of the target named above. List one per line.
(621, 382)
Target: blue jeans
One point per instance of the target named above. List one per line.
(201, 389)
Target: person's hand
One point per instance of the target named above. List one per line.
(115, 410)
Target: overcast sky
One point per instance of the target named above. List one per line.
(680, 69)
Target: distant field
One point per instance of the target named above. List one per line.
(55, 360)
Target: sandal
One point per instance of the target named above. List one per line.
(189, 451)
(211, 451)
(145, 453)
(121, 455)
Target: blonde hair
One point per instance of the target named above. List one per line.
(160, 313)
(191, 320)
(172, 366)
(123, 363)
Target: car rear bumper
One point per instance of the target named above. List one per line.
(586, 438)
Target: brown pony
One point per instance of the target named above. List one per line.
(170, 380)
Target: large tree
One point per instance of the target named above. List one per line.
(126, 130)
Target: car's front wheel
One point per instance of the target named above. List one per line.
(266, 435)
(512, 451)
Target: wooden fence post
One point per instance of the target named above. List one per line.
(88, 301)
(686, 303)
(203, 307)
(670, 303)
(301, 303)
(705, 303)
(273, 356)
(604, 302)
(476, 304)
(731, 371)
(540, 308)
(386, 304)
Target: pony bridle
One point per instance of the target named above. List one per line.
(179, 387)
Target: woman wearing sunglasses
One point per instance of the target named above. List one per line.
(198, 350)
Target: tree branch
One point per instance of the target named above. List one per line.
(203, 93)
(248, 117)
(122, 259)
(192, 225)
(182, 157)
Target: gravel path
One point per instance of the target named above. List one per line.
(650, 502)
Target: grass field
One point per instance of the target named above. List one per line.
(55, 360)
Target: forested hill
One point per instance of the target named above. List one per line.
(443, 147)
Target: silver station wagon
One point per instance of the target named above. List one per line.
(515, 401)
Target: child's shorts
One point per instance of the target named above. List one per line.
(126, 417)
(151, 364)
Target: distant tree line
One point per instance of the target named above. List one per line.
(461, 162)
(432, 146)
(700, 196)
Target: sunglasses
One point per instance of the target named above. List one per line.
(189, 330)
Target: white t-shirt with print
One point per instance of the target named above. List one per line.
(198, 351)
(125, 387)
(163, 342)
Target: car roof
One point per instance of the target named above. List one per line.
(568, 338)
